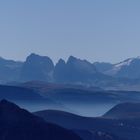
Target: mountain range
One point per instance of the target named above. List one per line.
(72, 71)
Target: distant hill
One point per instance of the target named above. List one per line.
(77, 94)
(17, 123)
(124, 111)
(68, 120)
(15, 93)
(121, 122)
(45, 86)
(28, 98)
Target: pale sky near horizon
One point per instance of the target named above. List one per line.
(96, 30)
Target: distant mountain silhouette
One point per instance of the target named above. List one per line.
(124, 111)
(60, 117)
(124, 75)
(19, 124)
(9, 70)
(37, 68)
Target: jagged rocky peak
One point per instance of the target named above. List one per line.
(37, 67)
(72, 59)
(61, 61)
(35, 57)
(39, 60)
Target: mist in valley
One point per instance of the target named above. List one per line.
(87, 110)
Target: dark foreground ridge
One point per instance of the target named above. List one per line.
(121, 123)
(19, 124)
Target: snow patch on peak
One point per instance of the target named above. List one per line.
(125, 63)
(117, 67)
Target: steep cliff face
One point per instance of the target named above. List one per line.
(37, 68)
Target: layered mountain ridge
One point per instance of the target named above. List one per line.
(74, 70)
(122, 122)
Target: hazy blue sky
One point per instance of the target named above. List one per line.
(98, 30)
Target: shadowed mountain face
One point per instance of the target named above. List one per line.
(74, 70)
(102, 66)
(17, 123)
(37, 68)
